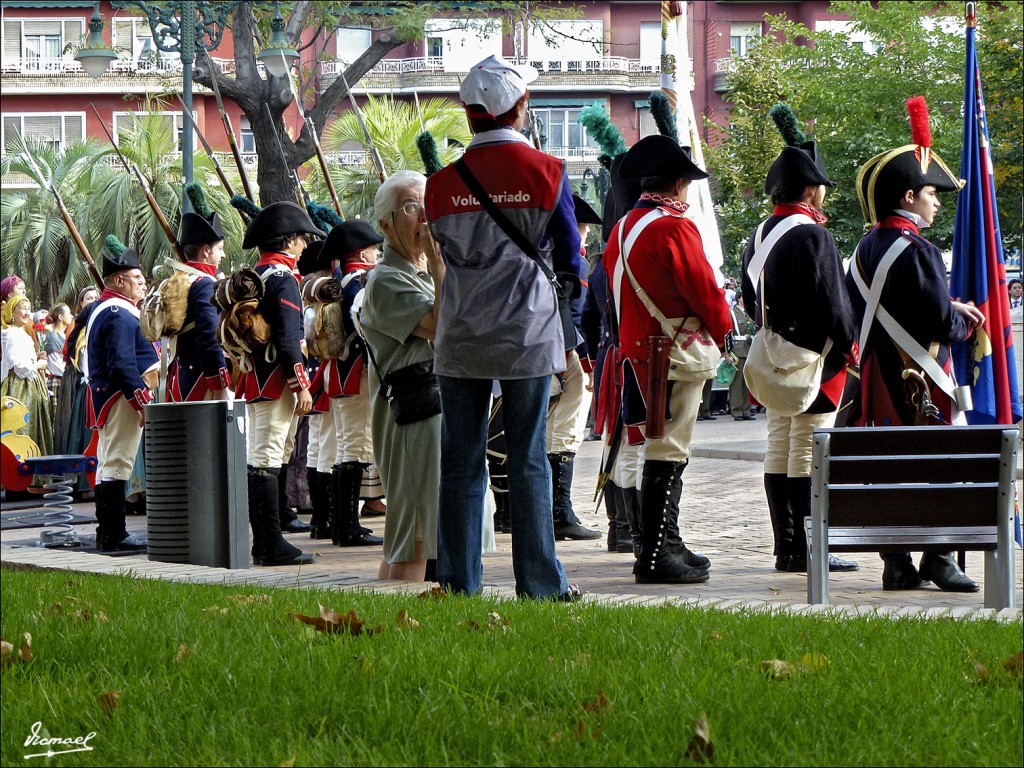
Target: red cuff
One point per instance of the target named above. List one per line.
(221, 381)
(143, 397)
(301, 380)
(587, 364)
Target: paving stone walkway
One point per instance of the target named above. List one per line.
(724, 515)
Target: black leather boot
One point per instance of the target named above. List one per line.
(800, 503)
(498, 474)
(274, 550)
(899, 572)
(623, 534)
(662, 481)
(675, 541)
(612, 505)
(567, 525)
(290, 522)
(346, 480)
(319, 495)
(253, 487)
(943, 571)
(776, 488)
(112, 534)
(631, 509)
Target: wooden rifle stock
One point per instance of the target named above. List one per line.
(209, 152)
(226, 119)
(311, 127)
(657, 384)
(134, 170)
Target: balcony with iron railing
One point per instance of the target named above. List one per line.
(609, 73)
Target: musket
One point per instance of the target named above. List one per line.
(534, 133)
(378, 161)
(64, 214)
(133, 169)
(300, 193)
(226, 119)
(311, 127)
(209, 151)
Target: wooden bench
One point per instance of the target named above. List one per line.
(898, 489)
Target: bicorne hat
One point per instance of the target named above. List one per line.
(277, 219)
(585, 214)
(349, 237)
(883, 180)
(659, 156)
(798, 164)
(121, 262)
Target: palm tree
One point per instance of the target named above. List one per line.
(394, 127)
(118, 206)
(36, 242)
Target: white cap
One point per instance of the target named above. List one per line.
(496, 84)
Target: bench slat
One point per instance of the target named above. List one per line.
(914, 538)
(901, 505)
(917, 468)
(872, 441)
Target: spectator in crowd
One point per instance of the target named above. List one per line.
(742, 333)
(22, 371)
(399, 321)
(70, 432)
(800, 279)
(1016, 291)
(499, 320)
(11, 286)
(53, 343)
(899, 196)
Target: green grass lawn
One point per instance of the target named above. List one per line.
(214, 675)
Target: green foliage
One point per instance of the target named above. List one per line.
(856, 102)
(36, 242)
(394, 127)
(224, 675)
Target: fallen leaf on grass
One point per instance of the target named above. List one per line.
(1015, 664)
(333, 622)
(434, 593)
(406, 621)
(289, 763)
(700, 748)
(598, 704)
(109, 702)
(248, 599)
(981, 671)
(775, 590)
(813, 662)
(582, 732)
(496, 620)
(183, 653)
(217, 610)
(23, 654)
(776, 669)
(583, 658)
(716, 635)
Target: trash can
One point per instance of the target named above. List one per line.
(196, 494)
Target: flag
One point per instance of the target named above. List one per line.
(675, 66)
(987, 362)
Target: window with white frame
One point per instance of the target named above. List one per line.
(123, 122)
(248, 143)
(858, 38)
(133, 36)
(741, 34)
(58, 129)
(565, 45)
(352, 41)
(461, 43)
(650, 45)
(39, 43)
(561, 126)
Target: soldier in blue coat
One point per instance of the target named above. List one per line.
(199, 371)
(120, 367)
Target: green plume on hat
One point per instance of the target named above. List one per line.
(113, 246)
(785, 121)
(600, 127)
(197, 196)
(662, 114)
(322, 216)
(246, 206)
(427, 146)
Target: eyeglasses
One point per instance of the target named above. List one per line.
(412, 209)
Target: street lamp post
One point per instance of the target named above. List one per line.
(601, 181)
(182, 27)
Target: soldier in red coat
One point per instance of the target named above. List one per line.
(665, 254)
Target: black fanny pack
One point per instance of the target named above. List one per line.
(413, 393)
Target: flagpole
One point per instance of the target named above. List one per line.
(676, 65)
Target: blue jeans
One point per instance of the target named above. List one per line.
(464, 411)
